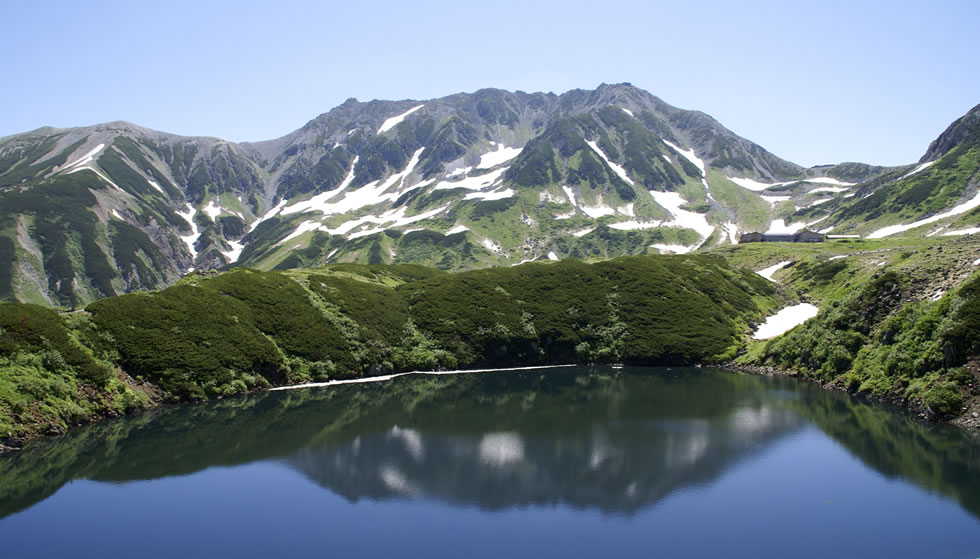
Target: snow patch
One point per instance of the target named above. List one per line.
(552, 255)
(583, 232)
(234, 253)
(818, 202)
(384, 378)
(595, 212)
(387, 220)
(189, 240)
(117, 215)
(501, 155)
(773, 200)
(457, 229)
(838, 257)
(85, 159)
(100, 175)
(707, 190)
(342, 201)
(768, 272)
(269, 214)
(970, 231)
(619, 170)
(499, 195)
(491, 245)
(829, 180)
(962, 208)
(212, 210)
(627, 111)
(571, 195)
(676, 249)
(732, 231)
(784, 320)
(690, 156)
(828, 189)
(672, 202)
(304, 227)
(473, 183)
(918, 169)
(156, 186)
(752, 185)
(460, 171)
(395, 120)
(779, 227)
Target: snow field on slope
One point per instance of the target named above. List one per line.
(918, 169)
(690, 156)
(970, 231)
(672, 202)
(834, 189)
(392, 218)
(619, 170)
(752, 185)
(957, 210)
(473, 183)
(675, 249)
(494, 158)
(498, 195)
(189, 240)
(341, 200)
(234, 253)
(829, 180)
(395, 120)
(773, 200)
(784, 320)
(768, 272)
(85, 159)
(595, 212)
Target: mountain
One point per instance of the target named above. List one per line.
(466, 181)
(940, 195)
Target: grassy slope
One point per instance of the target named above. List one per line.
(899, 318)
(215, 335)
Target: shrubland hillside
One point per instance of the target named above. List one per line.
(220, 334)
(899, 319)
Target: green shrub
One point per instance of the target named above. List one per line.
(944, 399)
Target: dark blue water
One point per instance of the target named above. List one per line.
(586, 462)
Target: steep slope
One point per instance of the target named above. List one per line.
(938, 196)
(93, 212)
(465, 181)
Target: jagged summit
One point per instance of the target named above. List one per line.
(964, 129)
(488, 178)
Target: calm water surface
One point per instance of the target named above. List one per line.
(574, 462)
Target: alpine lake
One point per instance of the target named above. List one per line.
(564, 462)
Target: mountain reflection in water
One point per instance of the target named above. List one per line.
(615, 440)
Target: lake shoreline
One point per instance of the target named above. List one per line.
(968, 419)
(965, 420)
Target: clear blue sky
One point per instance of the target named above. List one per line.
(813, 82)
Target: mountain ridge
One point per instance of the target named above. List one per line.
(464, 181)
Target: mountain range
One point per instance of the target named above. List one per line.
(491, 178)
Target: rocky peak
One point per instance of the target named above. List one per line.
(964, 129)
